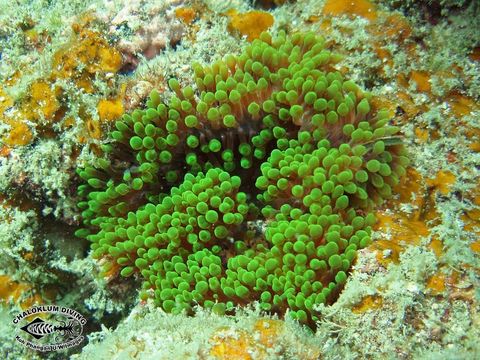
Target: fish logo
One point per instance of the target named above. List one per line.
(39, 328)
(59, 328)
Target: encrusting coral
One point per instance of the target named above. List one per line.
(274, 136)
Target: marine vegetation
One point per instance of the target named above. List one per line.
(258, 184)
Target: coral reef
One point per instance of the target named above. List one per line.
(413, 292)
(150, 333)
(144, 29)
(168, 202)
